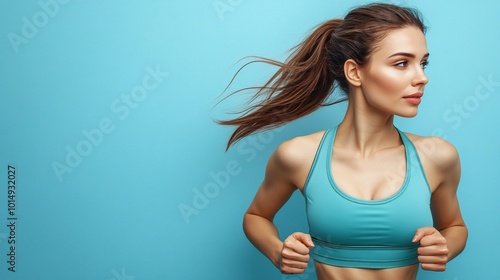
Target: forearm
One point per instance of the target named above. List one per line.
(263, 234)
(456, 237)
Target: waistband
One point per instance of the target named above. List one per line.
(364, 256)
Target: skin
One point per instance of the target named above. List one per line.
(367, 145)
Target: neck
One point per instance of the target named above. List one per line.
(366, 131)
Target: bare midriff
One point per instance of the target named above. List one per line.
(328, 272)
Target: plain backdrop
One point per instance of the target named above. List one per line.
(107, 113)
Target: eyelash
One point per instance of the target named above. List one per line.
(423, 64)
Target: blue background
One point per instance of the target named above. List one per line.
(107, 108)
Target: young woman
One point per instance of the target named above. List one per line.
(379, 201)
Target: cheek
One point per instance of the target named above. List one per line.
(385, 81)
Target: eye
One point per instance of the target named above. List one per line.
(402, 64)
(424, 64)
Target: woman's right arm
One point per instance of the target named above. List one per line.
(291, 255)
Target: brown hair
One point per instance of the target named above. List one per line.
(315, 68)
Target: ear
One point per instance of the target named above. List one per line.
(352, 72)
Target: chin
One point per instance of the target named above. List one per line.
(407, 114)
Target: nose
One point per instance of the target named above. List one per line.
(420, 78)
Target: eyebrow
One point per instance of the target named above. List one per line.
(407, 55)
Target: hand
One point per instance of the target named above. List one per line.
(295, 253)
(433, 251)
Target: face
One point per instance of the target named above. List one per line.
(393, 80)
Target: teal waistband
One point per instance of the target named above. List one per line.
(364, 256)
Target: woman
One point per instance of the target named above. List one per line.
(379, 201)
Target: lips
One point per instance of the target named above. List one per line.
(414, 98)
(415, 95)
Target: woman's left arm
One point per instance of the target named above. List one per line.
(443, 242)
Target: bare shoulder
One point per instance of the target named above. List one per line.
(295, 156)
(441, 153)
(295, 151)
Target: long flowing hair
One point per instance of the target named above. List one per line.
(315, 68)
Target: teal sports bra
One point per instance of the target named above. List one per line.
(352, 232)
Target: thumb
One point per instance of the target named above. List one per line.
(304, 238)
(421, 232)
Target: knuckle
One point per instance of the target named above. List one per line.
(434, 267)
(444, 259)
(286, 254)
(285, 270)
(288, 242)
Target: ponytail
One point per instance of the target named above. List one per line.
(300, 86)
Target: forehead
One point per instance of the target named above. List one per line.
(407, 39)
